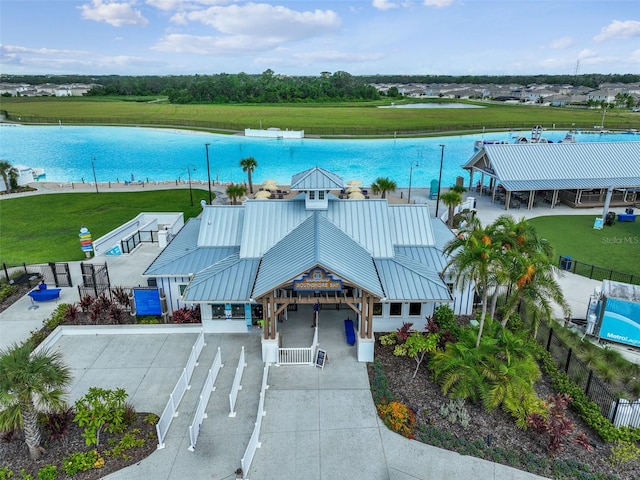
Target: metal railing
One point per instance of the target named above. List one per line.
(207, 388)
(594, 272)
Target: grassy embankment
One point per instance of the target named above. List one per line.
(324, 119)
(44, 228)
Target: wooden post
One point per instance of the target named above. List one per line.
(370, 318)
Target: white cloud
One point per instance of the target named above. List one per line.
(340, 56)
(618, 29)
(114, 13)
(587, 54)
(384, 4)
(562, 43)
(209, 45)
(438, 3)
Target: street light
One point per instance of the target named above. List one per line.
(206, 146)
(439, 179)
(413, 164)
(190, 191)
(93, 167)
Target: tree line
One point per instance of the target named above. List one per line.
(269, 87)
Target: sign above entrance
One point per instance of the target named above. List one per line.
(317, 280)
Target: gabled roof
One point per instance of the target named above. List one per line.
(229, 280)
(405, 279)
(411, 225)
(221, 226)
(182, 257)
(316, 178)
(561, 166)
(317, 242)
(431, 257)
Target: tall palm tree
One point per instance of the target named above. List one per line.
(248, 165)
(451, 199)
(477, 259)
(382, 185)
(29, 383)
(8, 173)
(235, 191)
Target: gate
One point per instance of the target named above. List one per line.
(95, 279)
(52, 273)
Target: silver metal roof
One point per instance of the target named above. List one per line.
(316, 178)
(431, 257)
(221, 226)
(404, 279)
(441, 232)
(229, 280)
(411, 225)
(561, 166)
(317, 242)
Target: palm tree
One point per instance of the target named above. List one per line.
(30, 382)
(477, 259)
(451, 199)
(235, 191)
(382, 185)
(8, 173)
(248, 165)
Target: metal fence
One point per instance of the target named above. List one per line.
(594, 272)
(128, 244)
(596, 390)
(57, 274)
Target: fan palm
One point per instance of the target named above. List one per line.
(451, 199)
(30, 382)
(248, 165)
(382, 185)
(8, 173)
(235, 191)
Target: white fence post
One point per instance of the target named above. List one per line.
(233, 396)
(207, 388)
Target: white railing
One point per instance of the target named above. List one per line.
(299, 355)
(468, 204)
(175, 397)
(254, 441)
(207, 388)
(233, 396)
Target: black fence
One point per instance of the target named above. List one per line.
(53, 273)
(619, 411)
(141, 236)
(596, 273)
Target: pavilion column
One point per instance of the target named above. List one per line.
(265, 318)
(554, 198)
(370, 317)
(272, 316)
(362, 316)
(532, 196)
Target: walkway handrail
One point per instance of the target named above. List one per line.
(175, 397)
(254, 441)
(233, 396)
(207, 388)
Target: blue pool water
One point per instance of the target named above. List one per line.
(66, 153)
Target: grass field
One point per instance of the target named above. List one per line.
(615, 247)
(323, 119)
(45, 228)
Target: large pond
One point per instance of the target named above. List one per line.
(118, 153)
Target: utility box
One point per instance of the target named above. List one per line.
(566, 263)
(433, 191)
(618, 313)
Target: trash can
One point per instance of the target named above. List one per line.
(566, 263)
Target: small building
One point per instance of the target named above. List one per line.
(251, 263)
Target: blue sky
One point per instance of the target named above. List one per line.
(448, 37)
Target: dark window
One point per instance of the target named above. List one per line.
(217, 310)
(415, 309)
(237, 310)
(312, 195)
(377, 309)
(182, 288)
(321, 195)
(395, 309)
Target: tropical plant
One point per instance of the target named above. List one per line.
(451, 199)
(235, 191)
(416, 346)
(248, 165)
(101, 409)
(9, 175)
(382, 185)
(30, 382)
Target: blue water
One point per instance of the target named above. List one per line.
(66, 153)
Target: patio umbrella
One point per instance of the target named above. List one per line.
(353, 190)
(356, 196)
(354, 183)
(269, 182)
(262, 195)
(272, 187)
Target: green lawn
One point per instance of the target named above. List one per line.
(615, 247)
(44, 228)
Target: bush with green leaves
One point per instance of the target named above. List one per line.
(455, 411)
(101, 409)
(6, 290)
(49, 472)
(82, 462)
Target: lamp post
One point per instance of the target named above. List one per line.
(93, 167)
(413, 164)
(439, 178)
(190, 190)
(206, 146)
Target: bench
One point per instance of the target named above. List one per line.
(350, 332)
(627, 217)
(43, 294)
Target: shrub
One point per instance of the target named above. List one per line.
(454, 411)
(130, 415)
(151, 418)
(57, 424)
(380, 384)
(100, 409)
(623, 452)
(187, 315)
(398, 417)
(148, 320)
(5, 473)
(6, 290)
(50, 472)
(82, 462)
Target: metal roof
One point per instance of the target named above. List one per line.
(561, 166)
(431, 257)
(316, 178)
(411, 225)
(317, 242)
(229, 280)
(404, 279)
(221, 226)
(441, 232)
